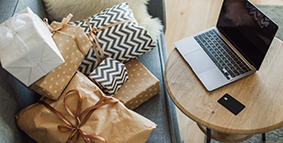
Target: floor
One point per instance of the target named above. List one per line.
(184, 18)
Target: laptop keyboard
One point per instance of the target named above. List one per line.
(224, 58)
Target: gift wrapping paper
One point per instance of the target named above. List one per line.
(53, 84)
(28, 51)
(119, 35)
(140, 87)
(113, 122)
(110, 75)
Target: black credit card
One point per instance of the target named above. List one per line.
(231, 104)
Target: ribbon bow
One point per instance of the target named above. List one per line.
(9, 34)
(93, 38)
(13, 47)
(75, 129)
(62, 25)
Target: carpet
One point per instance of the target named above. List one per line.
(275, 13)
(275, 136)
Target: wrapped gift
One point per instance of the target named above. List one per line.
(109, 75)
(28, 51)
(73, 45)
(118, 34)
(141, 85)
(84, 113)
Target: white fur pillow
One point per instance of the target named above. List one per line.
(57, 9)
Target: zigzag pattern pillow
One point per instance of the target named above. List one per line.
(121, 42)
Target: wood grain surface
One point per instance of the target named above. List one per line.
(184, 18)
(261, 93)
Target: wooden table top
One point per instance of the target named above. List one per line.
(261, 93)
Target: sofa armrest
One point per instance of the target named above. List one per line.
(156, 8)
(11, 7)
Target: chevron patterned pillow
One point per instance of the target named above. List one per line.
(118, 34)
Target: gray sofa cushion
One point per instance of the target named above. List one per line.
(160, 109)
(15, 96)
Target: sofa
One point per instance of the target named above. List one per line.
(14, 96)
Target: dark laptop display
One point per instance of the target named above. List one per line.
(247, 29)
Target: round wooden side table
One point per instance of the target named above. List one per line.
(261, 93)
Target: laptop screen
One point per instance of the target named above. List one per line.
(247, 28)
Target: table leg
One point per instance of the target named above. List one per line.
(223, 137)
(208, 135)
(263, 137)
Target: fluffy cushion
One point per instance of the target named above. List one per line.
(121, 42)
(57, 9)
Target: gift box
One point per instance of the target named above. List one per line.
(83, 111)
(109, 75)
(28, 51)
(118, 34)
(140, 87)
(73, 45)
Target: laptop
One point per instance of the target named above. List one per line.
(234, 49)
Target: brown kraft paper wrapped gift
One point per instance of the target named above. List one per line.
(113, 122)
(73, 44)
(141, 85)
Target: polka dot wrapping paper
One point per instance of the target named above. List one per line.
(140, 87)
(113, 122)
(54, 83)
(27, 50)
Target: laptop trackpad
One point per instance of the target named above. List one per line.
(199, 61)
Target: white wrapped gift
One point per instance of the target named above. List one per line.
(27, 49)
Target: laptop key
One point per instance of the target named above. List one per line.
(221, 55)
(231, 73)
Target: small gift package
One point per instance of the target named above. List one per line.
(119, 35)
(109, 75)
(83, 114)
(141, 85)
(73, 45)
(27, 50)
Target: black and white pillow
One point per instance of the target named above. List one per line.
(121, 42)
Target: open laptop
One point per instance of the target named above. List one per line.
(234, 49)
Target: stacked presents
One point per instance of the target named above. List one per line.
(86, 72)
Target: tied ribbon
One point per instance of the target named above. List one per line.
(75, 129)
(93, 38)
(10, 35)
(15, 25)
(62, 25)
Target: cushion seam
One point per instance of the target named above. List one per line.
(15, 8)
(169, 118)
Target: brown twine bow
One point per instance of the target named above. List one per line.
(93, 38)
(75, 129)
(62, 25)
